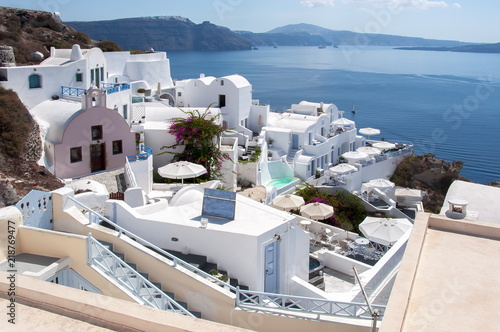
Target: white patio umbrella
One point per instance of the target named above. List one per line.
(316, 211)
(385, 231)
(384, 145)
(408, 193)
(343, 122)
(181, 170)
(369, 131)
(355, 156)
(408, 196)
(343, 168)
(369, 150)
(381, 183)
(288, 202)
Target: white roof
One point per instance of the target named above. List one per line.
(62, 56)
(55, 115)
(238, 80)
(251, 217)
(296, 122)
(481, 198)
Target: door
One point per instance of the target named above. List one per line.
(222, 100)
(295, 141)
(271, 278)
(97, 157)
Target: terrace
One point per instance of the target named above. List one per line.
(338, 251)
(67, 91)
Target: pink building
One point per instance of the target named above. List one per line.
(83, 138)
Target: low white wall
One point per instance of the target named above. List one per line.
(10, 220)
(342, 263)
(300, 287)
(247, 172)
(143, 171)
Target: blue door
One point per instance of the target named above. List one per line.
(271, 278)
(295, 141)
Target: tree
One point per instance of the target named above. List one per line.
(199, 134)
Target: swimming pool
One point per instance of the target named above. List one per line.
(280, 183)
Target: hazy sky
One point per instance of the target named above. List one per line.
(464, 20)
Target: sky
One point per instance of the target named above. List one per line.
(462, 20)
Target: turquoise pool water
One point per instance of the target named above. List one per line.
(280, 183)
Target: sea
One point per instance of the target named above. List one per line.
(445, 103)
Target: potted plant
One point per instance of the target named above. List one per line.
(216, 273)
(269, 155)
(270, 142)
(141, 91)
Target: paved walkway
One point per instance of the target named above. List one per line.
(113, 180)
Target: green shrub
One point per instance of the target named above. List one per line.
(108, 46)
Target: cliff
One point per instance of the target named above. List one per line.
(20, 149)
(303, 34)
(483, 48)
(30, 31)
(164, 33)
(427, 173)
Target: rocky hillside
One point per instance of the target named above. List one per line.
(20, 149)
(427, 173)
(31, 30)
(164, 33)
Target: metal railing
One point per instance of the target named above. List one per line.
(141, 288)
(114, 87)
(147, 152)
(72, 92)
(305, 305)
(96, 218)
(111, 90)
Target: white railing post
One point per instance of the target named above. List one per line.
(89, 249)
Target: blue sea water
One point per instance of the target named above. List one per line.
(445, 103)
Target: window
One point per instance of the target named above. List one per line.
(79, 77)
(117, 147)
(35, 81)
(96, 132)
(179, 94)
(75, 154)
(125, 111)
(221, 82)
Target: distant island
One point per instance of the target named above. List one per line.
(482, 48)
(178, 33)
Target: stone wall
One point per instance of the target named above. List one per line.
(33, 146)
(7, 58)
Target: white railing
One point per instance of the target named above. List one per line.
(103, 259)
(96, 218)
(305, 305)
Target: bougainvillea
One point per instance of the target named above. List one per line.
(349, 210)
(197, 139)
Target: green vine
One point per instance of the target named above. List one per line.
(198, 137)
